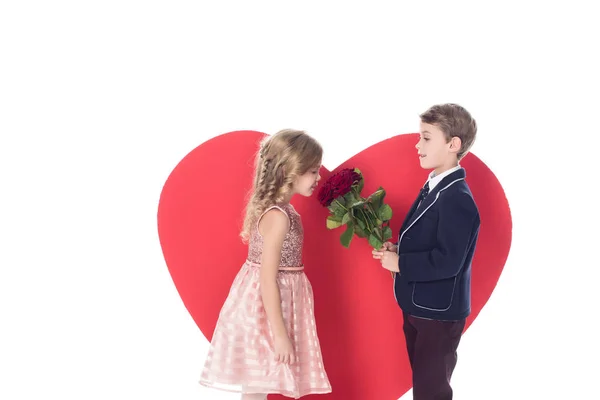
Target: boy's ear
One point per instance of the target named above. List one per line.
(455, 144)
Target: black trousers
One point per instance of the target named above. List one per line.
(431, 346)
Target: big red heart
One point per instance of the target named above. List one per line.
(358, 321)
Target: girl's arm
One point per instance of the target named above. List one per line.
(273, 227)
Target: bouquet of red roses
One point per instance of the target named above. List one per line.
(364, 217)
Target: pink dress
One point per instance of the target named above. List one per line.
(241, 356)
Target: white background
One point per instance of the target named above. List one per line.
(100, 100)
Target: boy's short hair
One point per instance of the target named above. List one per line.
(453, 120)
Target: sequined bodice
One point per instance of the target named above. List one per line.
(291, 253)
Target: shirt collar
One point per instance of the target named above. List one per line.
(435, 179)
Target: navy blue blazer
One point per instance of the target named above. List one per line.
(435, 246)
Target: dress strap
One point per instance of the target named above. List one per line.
(268, 209)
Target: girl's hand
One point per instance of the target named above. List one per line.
(284, 351)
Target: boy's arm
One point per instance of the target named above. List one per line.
(456, 222)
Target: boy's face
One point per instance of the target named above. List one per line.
(434, 152)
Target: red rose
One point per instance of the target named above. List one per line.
(337, 185)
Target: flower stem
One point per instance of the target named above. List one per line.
(366, 219)
(371, 208)
(336, 200)
(370, 216)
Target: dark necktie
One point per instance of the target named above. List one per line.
(423, 193)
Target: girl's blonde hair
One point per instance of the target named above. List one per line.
(281, 159)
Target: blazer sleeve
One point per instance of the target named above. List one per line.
(458, 218)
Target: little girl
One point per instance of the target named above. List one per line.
(265, 340)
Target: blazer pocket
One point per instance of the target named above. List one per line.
(436, 296)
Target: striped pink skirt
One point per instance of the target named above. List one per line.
(241, 356)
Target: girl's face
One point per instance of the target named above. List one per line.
(305, 184)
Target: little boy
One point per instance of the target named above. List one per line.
(432, 258)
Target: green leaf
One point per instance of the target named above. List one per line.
(357, 203)
(385, 212)
(337, 210)
(361, 183)
(346, 237)
(360, 231)
(361, 223)
(332, 223)
(378, 194)
(376, 198)
(350, 198)
(375, 242)
(334, 217)
(346, 218)
(377, 232)
(387, 233)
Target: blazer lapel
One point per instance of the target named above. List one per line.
(417, 211)
(410, 213)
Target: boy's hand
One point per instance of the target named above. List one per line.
(389, 261)
(388, 257)
(387, 246)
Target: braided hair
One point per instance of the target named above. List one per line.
(281, 159)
